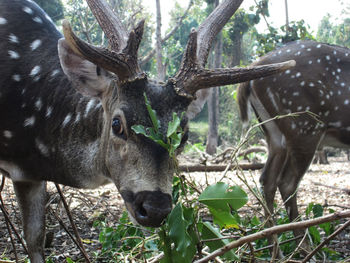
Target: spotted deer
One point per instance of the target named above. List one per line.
(318, 88)
(67, 108)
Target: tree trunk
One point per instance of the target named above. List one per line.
(237, 50)
(287, 16)
(213, 101)
(160, 66)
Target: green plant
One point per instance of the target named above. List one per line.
(173, 135)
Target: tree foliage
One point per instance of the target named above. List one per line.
(53, 8)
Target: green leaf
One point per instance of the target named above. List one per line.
(220, 198)
(317, 209)
(178, 225)
(315, 234)
(220, 195)
(139, 129)
(210, 232)
(152, 114)
(173, 125)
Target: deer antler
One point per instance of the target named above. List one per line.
(192, 75)
(121, 58)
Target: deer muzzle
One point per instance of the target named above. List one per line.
(149, 208)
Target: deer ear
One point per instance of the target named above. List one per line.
(86, 77)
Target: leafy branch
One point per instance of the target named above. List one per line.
(174, 131)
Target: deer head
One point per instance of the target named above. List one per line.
(141, 169)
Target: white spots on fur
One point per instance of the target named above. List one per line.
(299, 108)
(346, 102)
(326, 113)
(272, 98)
(38, 104)
(318, 60)
(322, 102)
(3, 21)
(35, 44)
(307, 108)
(98, 105)
(302, 46)
(54, 72)
(16, 77)
(66, 120)
(77, 118)
(288, 50)
(302, 83)
(336, 108)
(279, 52)
(338, 70)
(29, 122)
(38, 20)
(28, 10)
(7, 134)
(89, 106)
(346, 54)
(13, 38)
(308, 49)
(310, 62)
(328, 57)
(334, 52)
(296, 93)
(339, 92)
(311, 84)
(318, 46)
(287, 71)
(13, 54)
(298, 74)
(342, 84)
(43, 149)
(48, 112)
(298, 53)
(290, 103)
(35, 71)
(48, 18)
(293, 126)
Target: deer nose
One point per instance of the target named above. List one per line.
(151, 207)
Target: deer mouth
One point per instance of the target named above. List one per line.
(148, 208)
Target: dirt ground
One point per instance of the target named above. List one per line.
(88, 205)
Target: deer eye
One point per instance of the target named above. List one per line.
(117, 127)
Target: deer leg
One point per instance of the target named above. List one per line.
(293, 172)
(31, 197)
(268, 179)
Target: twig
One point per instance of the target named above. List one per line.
(281, 243)
(6, 221)
(272, 231)
(219, 168)
(75, 230)
(346, 190)
(60, 221)
(313, 252)
(9, 222)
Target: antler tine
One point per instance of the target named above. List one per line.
(110, 23)
(192, 76)
(115, 62)
(205, 78)
(212, 25)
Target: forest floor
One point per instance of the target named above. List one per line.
(89, 205)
